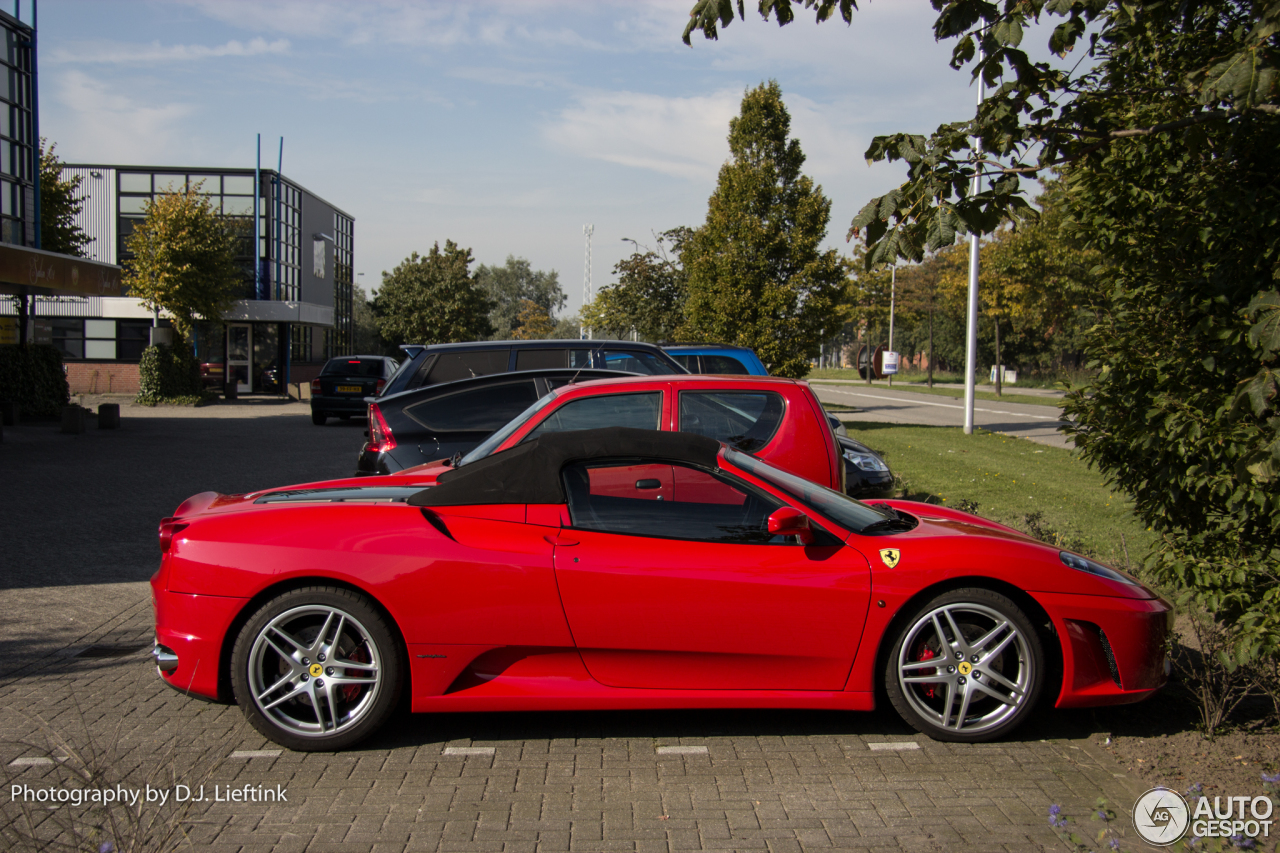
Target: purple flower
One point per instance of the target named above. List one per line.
(1102, 814)
(107, 847)
(1114, 844)
(1055, 810)
(1271, 779)
(1242, 843)
(1195, 790)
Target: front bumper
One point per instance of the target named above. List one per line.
(1114, 650)
(867, 484)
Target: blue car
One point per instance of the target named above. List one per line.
(717, 358)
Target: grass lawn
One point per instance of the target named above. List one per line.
(952, 391)
(1010, 479)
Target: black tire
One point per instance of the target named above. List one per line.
(283, 673)
(317, 418)
(989, 674)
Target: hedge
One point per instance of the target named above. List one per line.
(33, 377)
(167, 374)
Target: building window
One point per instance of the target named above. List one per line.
(100, 339)
(68, 335)
(132, 337)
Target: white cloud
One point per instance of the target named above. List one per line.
(681, 137)
(117, 54)
(102, 125)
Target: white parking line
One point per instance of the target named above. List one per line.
(896, 746)
(255, 753)
(939, 405)
(682, 750)
(468, 750)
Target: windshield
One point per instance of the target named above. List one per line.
(848, 513)
(491, 443)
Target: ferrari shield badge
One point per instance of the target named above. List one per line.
(890, 556)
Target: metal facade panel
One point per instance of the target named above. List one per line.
(97, 217)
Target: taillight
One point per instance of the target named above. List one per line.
(380, 437)
(382, 383)
(168, 527)
(315, 387)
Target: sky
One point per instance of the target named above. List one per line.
(503, 125)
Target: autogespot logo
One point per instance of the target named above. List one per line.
(1161, 816)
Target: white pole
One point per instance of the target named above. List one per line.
(585, 331)
(893, 289)
(971, 344)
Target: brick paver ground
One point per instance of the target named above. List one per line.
(741, 780)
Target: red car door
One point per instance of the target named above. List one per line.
(688, 590)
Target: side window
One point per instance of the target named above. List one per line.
(745, 420)
(723, 364)
(538, 359)
(665, 500)
(579, 358)
(477, 410)
(463, 365)
(688, 362)
(608, 410)
(635, 361)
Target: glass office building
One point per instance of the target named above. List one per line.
(295, 309)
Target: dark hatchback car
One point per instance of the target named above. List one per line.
(345, 381)
(866, 475)
(431, 365)
(439, 421)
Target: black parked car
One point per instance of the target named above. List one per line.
(438, 421)
(866, 475)
(345, 381)
(431, 365)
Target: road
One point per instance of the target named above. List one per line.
(891, 405)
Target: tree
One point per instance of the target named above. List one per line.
(756, 275)
(649, 295)
(508, 285)
(533, 322)
(60, 202)
(364, 323)
(433, 299)
(1166, 142)
(184, 259)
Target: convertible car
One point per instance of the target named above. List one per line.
(626, 568)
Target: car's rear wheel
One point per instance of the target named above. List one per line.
(318, 418)
(317, 669)
(967, 666)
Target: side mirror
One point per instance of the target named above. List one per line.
(789, 521)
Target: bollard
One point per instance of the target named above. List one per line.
(72, 420)
(229, 390)
(109, 416)
(9, 412)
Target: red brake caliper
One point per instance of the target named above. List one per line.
(351, 691)
(927, 654)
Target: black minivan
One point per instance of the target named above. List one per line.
(431, 365)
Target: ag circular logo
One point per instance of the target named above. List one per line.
(1161, 816)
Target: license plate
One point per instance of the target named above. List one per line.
(347, 389)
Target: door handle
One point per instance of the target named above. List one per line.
(648, 484)
(560, 539)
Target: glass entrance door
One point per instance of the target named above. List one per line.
(240, 356)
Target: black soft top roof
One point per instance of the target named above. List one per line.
(530, 473)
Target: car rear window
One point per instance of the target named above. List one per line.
(746, 420)
(640, 411)
(353, 367)
(476, 410)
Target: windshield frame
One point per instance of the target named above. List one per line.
(848, 513)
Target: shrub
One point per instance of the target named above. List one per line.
(33, 378)
(168, 374)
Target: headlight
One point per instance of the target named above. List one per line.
(1082, 564)
(865, 461)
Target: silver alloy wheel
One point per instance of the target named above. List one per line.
(314, 671)
(979, 673)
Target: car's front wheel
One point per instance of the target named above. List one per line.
(317, 669)
(967, 666)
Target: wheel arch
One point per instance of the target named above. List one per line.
(1049, 638)
(225, 691)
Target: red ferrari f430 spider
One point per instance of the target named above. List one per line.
(624, 568)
